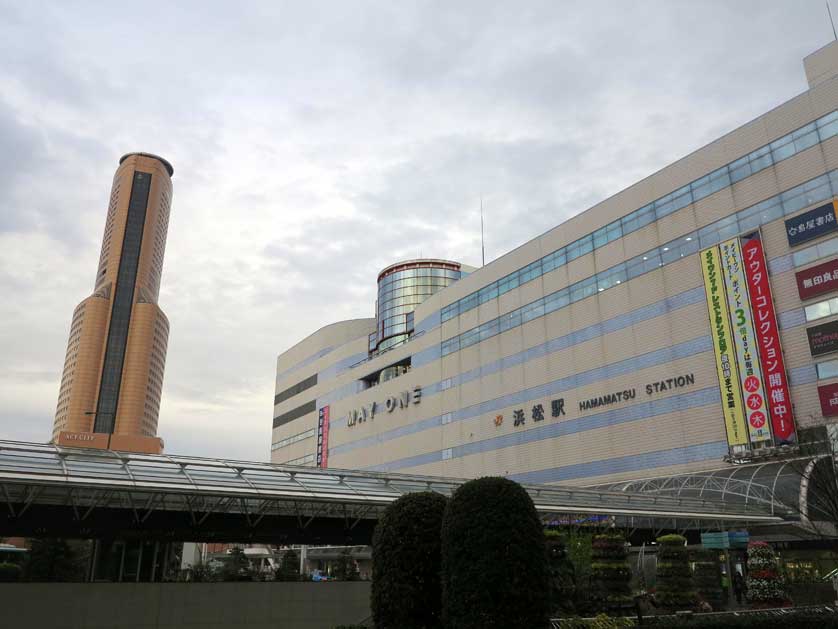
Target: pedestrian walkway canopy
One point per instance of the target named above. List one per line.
(52, 490)
(804, 486)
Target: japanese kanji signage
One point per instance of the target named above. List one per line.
(537, 412)
(714, 288)
(828, 395)
(811, 224)
(817, 280)
(768, 338)
(744, 342)
(323, 438)
(823, 339)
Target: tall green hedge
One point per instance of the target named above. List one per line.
(406, 589)
(675, 589)
(494, 561)
(610, 573)
(707, 577)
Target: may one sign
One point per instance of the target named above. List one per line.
(403, 400)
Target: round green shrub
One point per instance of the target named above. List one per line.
(494, 561)
(406, 588)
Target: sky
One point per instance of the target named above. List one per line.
(314, 143)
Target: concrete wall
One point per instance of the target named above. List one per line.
(176, 605)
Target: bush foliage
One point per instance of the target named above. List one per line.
(406, 588)
(9, 572)
(494, 560)
(610, 572)
(707, 577)
(674, 577)
(289, 566)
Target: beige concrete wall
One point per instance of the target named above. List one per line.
(181, 605)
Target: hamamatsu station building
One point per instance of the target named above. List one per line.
(686, 323)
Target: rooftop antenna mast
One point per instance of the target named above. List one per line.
(482, 241)
(831, 21)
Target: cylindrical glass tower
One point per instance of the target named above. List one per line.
(402, 287)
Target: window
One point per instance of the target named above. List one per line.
(730, 226)
(828, 369)
(821, 309)
(810, 254)
(126, 277)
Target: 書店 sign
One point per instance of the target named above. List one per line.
(811, 224)
(823, 339)
(817, 280)
(828, 395)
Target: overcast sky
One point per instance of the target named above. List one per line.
(316, 142)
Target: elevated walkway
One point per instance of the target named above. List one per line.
(49, 490)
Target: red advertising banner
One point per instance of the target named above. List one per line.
(768, 340)
(323, 438)
(817, 280)
(828, 394)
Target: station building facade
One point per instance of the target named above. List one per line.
(686, 323)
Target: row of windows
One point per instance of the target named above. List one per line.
(294, 389)
(783, 148)
(303, 460)
(821, 309)
(419, 272)
(426, 288)
(308, 407)
(302, 436)
(409, 299)
(820, 250)
(793, 200)
(828, 369)
(415, 281)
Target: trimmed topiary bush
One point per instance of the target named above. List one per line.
(611, 574)
(707, 577)
(289, 566)
(494, 561)
(674, 578)
(562, 575)
(9, 572)
(766, 587)
(406, 588)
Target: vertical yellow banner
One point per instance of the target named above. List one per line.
(714, 288)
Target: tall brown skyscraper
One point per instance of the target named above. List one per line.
(113, 371)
